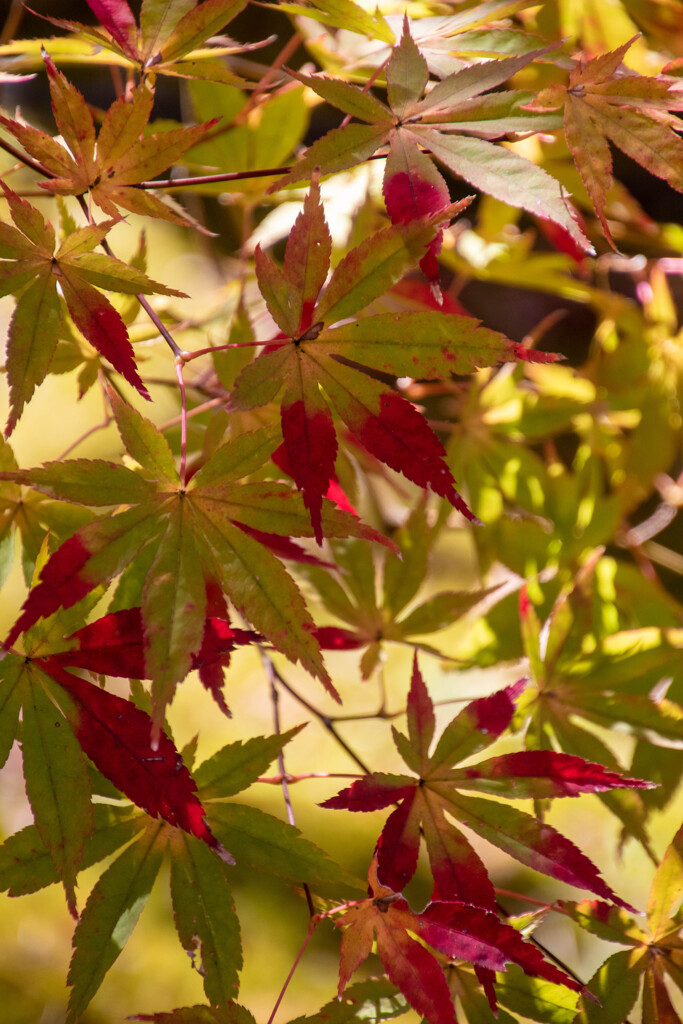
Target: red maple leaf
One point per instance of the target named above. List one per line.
(117, 737)
(441, 791)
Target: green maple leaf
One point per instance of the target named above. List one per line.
(454, 121)
(610, 684)
(194, 533)
(32, 266)
(652, 954)
(370, 621)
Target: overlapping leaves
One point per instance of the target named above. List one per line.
(606, 103)
(33, 266)
(185, 537)
(167, 37)
(441, 792)
(454, 121)
(371, 621)
(64, 717)
(651, 956)
(106, 166)
(456, 929)
(312, 357)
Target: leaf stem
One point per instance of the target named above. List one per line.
(183, 419)
(312, 925)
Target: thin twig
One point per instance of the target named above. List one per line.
(312, 925)
(210, 179)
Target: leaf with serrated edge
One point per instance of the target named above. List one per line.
(26, 865)
(205, 916)
(56, 783)
(427, 800)
(110, 915)
(237, 765)
(117, 737)
(264, 843)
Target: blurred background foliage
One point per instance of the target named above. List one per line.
(575, 470)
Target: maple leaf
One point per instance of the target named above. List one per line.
(652, 954)
(117, 737)
(454, 122)
(613, 684)
(194, 532)
(312, 358)
(353, 596)
(107, 166)
(605, 102)
(440, 791)
(168, 41)
(456, 929)
(33, 267)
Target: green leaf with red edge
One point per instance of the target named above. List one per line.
(425, 802)
(110, 915)
(37, 319)
(204, 541)
(457, 929)
(407, 74)
(205, 918)
(117, 737)
(57, 782)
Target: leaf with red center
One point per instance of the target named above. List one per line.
(117, 737)
(427, 804)
(394, 431)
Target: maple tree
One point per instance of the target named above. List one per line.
(378, 497)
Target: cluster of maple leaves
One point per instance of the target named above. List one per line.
(189, 543)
